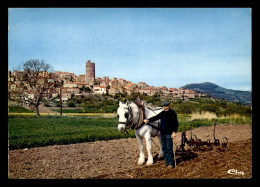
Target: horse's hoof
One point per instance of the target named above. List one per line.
(141, 162)
(148, 163)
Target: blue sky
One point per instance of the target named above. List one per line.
(161, 46)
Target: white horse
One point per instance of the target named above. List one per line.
(128, 115)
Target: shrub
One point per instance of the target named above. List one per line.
(71, 104)
(46, 104)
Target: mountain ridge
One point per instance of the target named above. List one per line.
(219, 92)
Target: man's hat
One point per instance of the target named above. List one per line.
(166, 103)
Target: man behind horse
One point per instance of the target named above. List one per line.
(168, 129)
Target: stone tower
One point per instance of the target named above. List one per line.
(90, 72)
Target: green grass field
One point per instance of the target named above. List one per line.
(32, 131)
(18, 109)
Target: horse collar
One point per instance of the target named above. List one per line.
(139, 122)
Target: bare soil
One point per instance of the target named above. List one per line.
(42, 108)
(118, 158)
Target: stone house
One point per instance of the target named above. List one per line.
(97, 89)
(122, 82)
(81, 78)
(70, 85)
(141, 85)
(74, 90)
(113, 90)
(113, 83)
(130, 88)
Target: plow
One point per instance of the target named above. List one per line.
(197, 144)
(189, 146)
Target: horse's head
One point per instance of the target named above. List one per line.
(122, 114)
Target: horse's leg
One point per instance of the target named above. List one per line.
(141, 159)
(149, 148)
(161, 151)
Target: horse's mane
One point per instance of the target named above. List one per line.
(150, 106)
(141, 115)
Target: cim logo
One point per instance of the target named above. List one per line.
(235, 172)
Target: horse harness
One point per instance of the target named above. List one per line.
(141, 113)
(141, 116)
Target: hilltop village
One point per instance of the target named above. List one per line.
(88, 84)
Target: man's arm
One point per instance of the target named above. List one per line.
(154, 118)
(175, 125)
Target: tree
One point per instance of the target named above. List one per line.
(58, 83)
(186, 108)
(36, 75)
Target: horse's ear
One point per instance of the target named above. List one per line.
(120, 103)
(138, 102)
(127, 102)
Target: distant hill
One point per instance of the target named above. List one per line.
(221, 93)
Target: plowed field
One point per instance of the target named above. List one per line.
(118, 158)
